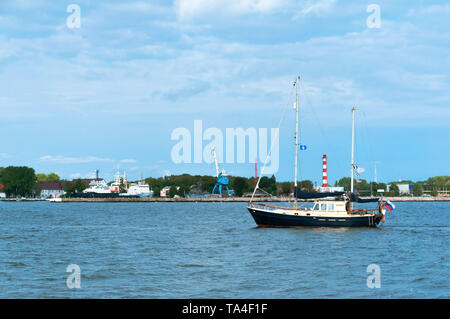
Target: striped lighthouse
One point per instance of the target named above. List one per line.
(324, 172)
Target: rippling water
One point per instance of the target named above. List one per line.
(214, 250)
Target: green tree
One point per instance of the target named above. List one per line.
(268, 184)
(285, 188)
(306, 186)
(207, 183)
(393, 190)
(156, 191)
(172, 191)
(373, 187)
(53, 177)
(345, 182)
(41, 177)
(18, 180)
(69, 188)
(417, 189)
(50, 177)
(183, 191)
(439, 181)
(239, 184)
(38, 190)
(381, 186)
(434, 192)
(75, 187)
(79, 186)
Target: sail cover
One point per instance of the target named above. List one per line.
(356, 198)
(313, 195)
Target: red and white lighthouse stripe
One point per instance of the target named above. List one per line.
(324, 174)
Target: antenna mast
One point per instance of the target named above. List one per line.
(296, 106)
(353, 149)
(375, 174)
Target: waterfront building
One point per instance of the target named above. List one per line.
(164, 192)
(326, 189)
(49, 189)
(405, 189)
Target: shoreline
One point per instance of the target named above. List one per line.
(209, 200)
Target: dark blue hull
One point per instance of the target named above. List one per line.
(96, 195)
(264, 218)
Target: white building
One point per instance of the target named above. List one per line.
(165, 191)
(404, 189)
(49, 189)
(330, 189)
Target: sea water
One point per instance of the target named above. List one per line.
(215, 250)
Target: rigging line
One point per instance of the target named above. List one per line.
(300, 158)
(369, 142)
(362, 139)
(321, 130)
(355, 145)
(271, 143)
(317, 120)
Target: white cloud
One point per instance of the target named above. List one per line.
(315, 8)
(430, 10)
(128, 161)
(90, 175)
(80, 160)
(74, 160)
(136, 7)
(71, 73)
(188, 9)
(26, 4)
(5, 155)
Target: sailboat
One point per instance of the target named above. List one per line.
(332, 209)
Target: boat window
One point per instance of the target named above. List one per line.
(331, 206)
(323, 206)
(316, 207)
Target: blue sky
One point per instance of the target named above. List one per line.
(110, 93)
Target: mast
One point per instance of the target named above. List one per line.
(296, 140)
(375, 173)
(117, 179)
(216, 161)
(374, 179)
(353, 149)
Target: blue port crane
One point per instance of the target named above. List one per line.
(222, 177)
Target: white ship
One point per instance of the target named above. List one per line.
(139, 189)
(98, 188)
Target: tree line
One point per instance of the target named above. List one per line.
(431, 185)
(184, 184)
(20, 181)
